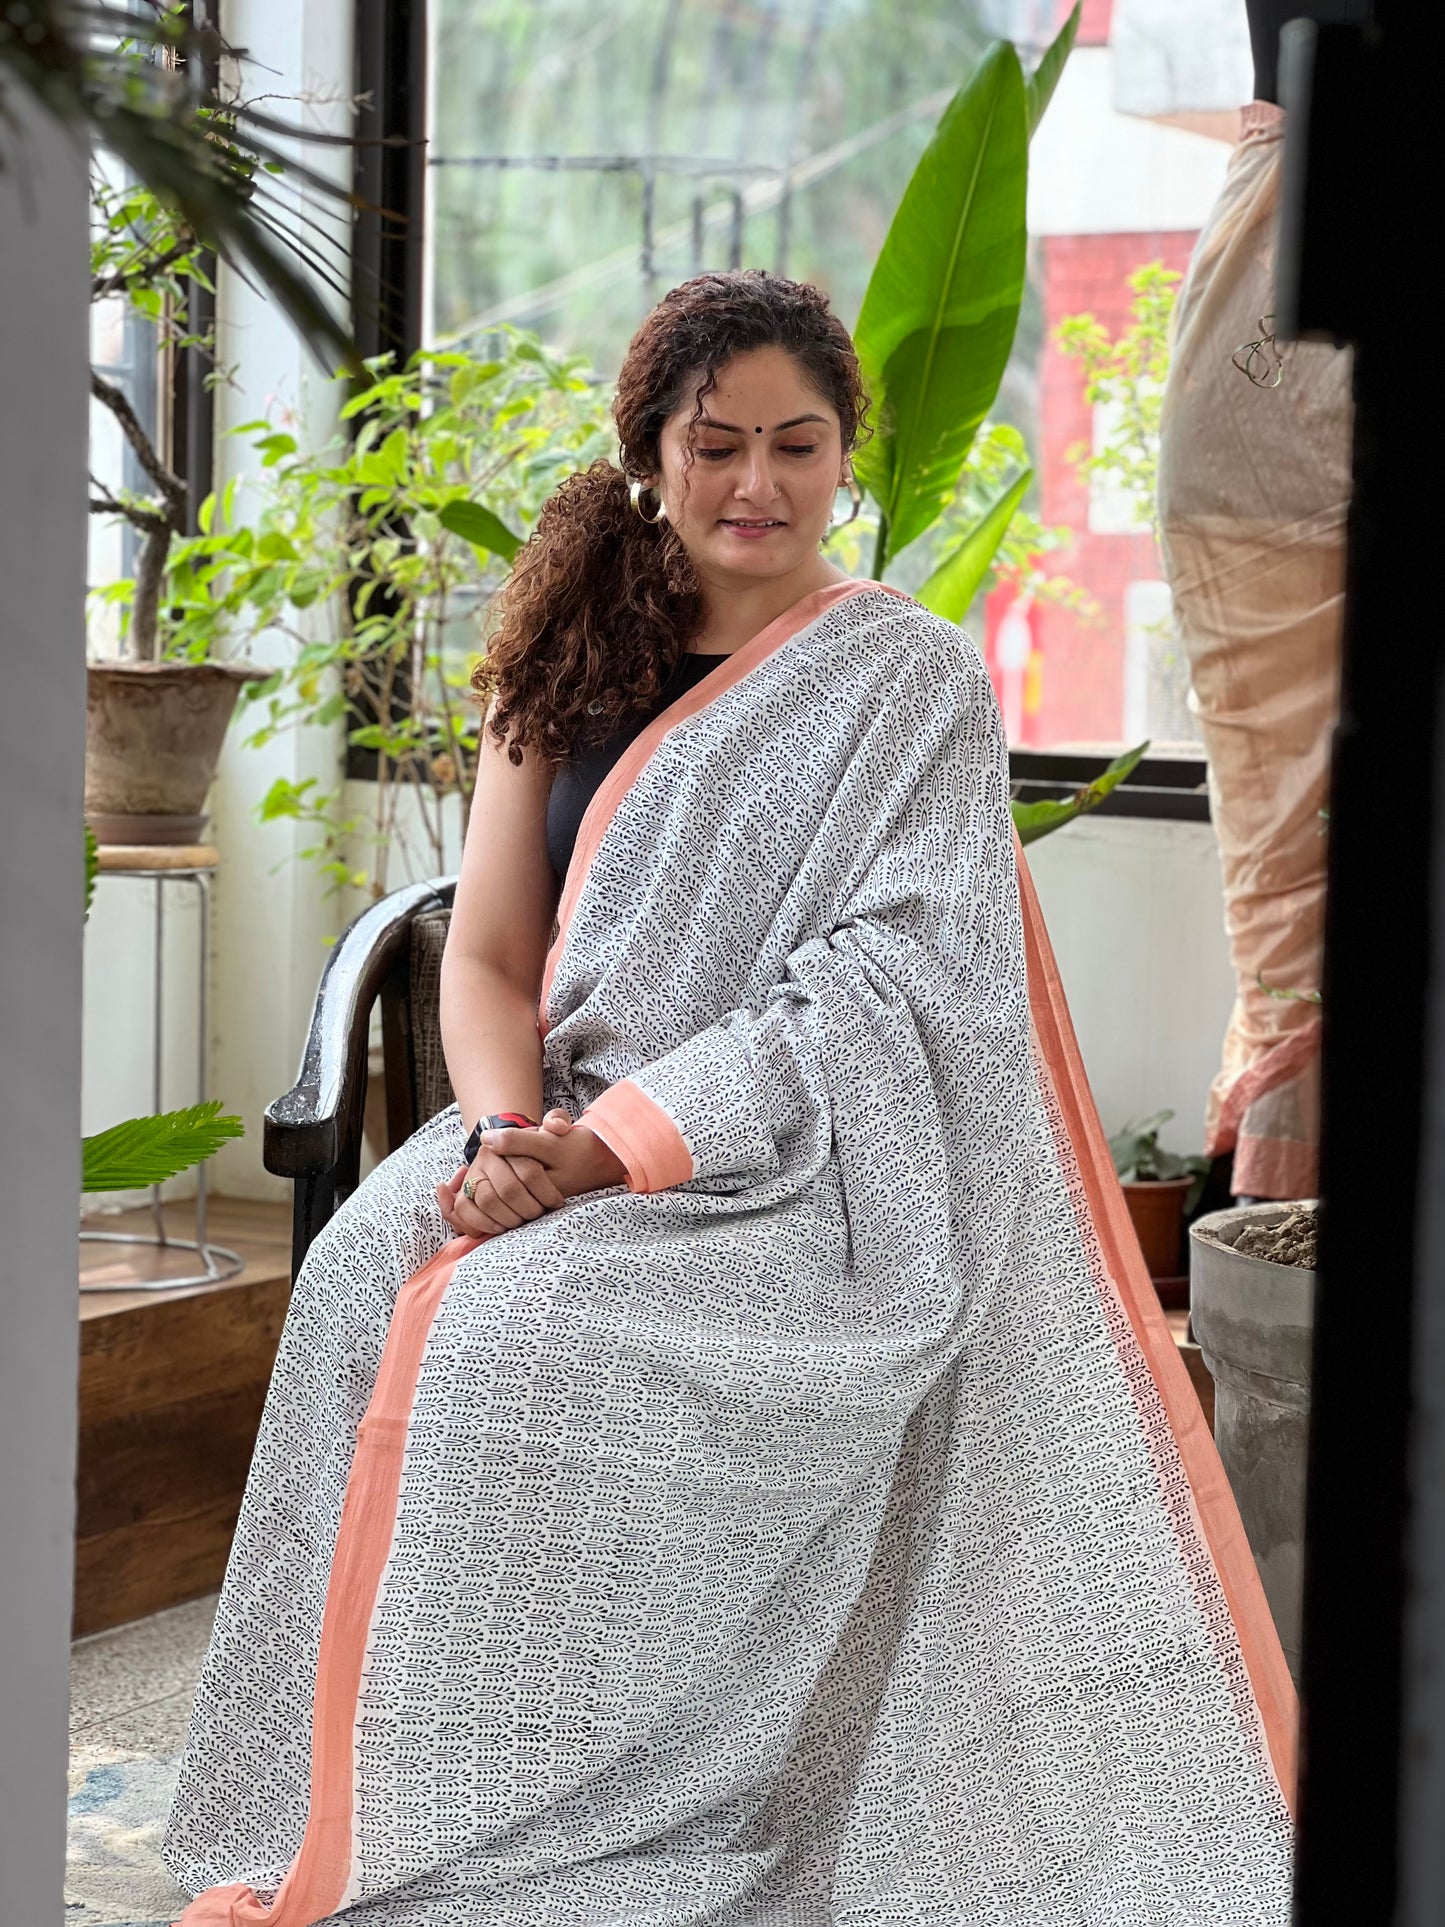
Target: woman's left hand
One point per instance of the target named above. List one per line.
(573, 1158)
(572, 1155)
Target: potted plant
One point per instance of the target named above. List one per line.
(375, 557)
(1160, 1188)
(144, 84)
(1252, 1294)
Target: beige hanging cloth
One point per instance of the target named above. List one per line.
(1254, 484)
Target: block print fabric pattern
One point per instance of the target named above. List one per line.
(803, 1543)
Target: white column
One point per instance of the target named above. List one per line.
(271, 923)
(43, 308)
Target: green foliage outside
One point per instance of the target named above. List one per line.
(374, 557)
(934, 336)
(1126, 376)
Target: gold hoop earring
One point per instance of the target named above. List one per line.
(636, 493)
(855, 496)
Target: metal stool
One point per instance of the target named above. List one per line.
(162, 864)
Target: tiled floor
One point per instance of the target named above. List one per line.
(130, 1701)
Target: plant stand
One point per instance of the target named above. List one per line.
(161, 864)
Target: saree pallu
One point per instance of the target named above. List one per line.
(1254, 487)
(817, 1528)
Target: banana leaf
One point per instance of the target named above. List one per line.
(938, 318)
(1039, 87)
(148, 1150)
(950, 590)
(1033, 820)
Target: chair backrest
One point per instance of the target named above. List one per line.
(431, 1085)
(418, 1082)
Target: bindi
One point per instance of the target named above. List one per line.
(757, 431)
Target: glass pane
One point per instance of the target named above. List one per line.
(586, 159)
(124, 347)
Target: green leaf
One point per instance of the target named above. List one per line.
(939, 314)
(284, 798)
(1039, 87)
(392, 453)
(950, 590)
(148, 1150)
(480, 527)
(1033, 820)
(92, 865)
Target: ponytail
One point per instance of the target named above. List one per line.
(594, 616)
(600, 604)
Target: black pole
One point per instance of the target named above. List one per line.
(388, 233)
(192, 448)
(1355, 190)
(387, 277)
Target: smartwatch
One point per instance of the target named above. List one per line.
(494, 1121)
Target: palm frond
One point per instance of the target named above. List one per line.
(148, 1150)
(188, 148)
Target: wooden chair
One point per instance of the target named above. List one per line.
(313, 1135)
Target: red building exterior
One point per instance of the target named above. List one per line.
(1062, 682)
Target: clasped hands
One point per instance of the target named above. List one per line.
(519, 1173)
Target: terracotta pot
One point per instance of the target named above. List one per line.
(1157, 1207)
(153, 735)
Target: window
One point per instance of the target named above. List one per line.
(583, 160)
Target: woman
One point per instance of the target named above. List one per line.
(779, 1503)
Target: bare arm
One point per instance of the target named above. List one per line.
(491, 984)
(491, 978)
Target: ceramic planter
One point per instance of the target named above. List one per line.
(153, 738)
(1254, 1320)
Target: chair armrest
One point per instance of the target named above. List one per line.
(316, 1126)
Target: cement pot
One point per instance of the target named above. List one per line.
(1253, 1321)
(153, 735)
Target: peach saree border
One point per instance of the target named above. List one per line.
(1213, 1503)
(315, 1886)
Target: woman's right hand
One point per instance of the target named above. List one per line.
(506, 1191)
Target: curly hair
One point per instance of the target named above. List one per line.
(599, 605)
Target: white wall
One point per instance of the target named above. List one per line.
(42, 747)
(1094, 169)
(272, 924)
(1135, 914)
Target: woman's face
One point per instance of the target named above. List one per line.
(768, 460)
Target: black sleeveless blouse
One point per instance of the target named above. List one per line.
(576, 783)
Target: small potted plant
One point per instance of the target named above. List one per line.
(1160, 1188)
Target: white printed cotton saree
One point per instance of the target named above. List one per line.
(818, 1529)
